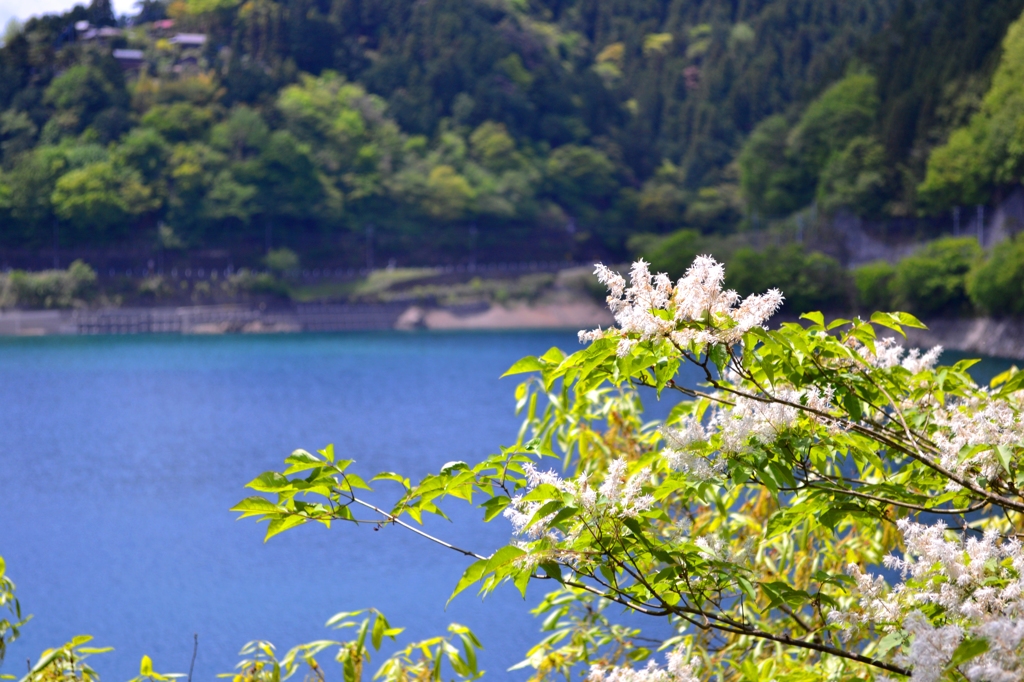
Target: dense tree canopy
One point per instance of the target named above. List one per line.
(571, 121)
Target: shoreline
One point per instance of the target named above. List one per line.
(984, 336)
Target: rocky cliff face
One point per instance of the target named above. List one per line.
(984, 336)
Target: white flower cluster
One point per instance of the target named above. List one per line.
(623, 494)
(688, 434)
(969, 567)
(696, 297)
(963, 425)
(979, 584)
(748, 418)
(889, 353)
(676, 670)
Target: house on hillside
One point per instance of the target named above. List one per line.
(187, 40)
(129, 60)
(103, 34)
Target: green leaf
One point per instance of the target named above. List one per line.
(815, 317)
(1005, 455)
(552, 569)
(255, 506)
(888, 643)
(451, 467)
(524, 365)
(269, 482)
(377, 635)
(853, 406)
(283, 523)
(720, 356)
(1011, 385)
(968, 649)
(896, 321)
(495, 506)
(1003, 377)
(392, 476)
(503, 557)
(476, 570)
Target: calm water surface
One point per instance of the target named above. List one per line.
(121, 455)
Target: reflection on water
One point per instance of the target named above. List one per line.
(121, 456)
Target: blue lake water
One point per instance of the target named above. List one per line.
(121, 455)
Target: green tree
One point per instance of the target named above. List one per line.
(934, 280)
(100, 198)
(989, 150)
(675, 252)
(82, 96)
(580, 176)
(846, 110)
(811, 280)
(447, 195)
(855, 178)
(874, 282)
(773, 181)
(180, 121)
(996, 284)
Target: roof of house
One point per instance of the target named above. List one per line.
(189, 39)
(132, 55)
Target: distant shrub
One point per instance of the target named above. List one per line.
(996, 285)
(50, 288)
(674, 253)
(934, 280)
(155, 288)
(809, 280)
(874, 282)
(247, 282)
(282, 260)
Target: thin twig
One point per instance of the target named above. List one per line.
(391, 518)
(195, 649)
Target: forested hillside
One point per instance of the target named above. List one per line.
(553, 128)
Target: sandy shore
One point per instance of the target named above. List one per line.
(984, 336)
(577, 315)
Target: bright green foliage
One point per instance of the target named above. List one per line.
(989, 151)
(934, 280)
(428, 659)
(179, 121)
(423, 660)
(874, 282)
(100, 197)
(741, 537)
(525, 119)
(66, 663)
(10, 624)
(996, 286)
